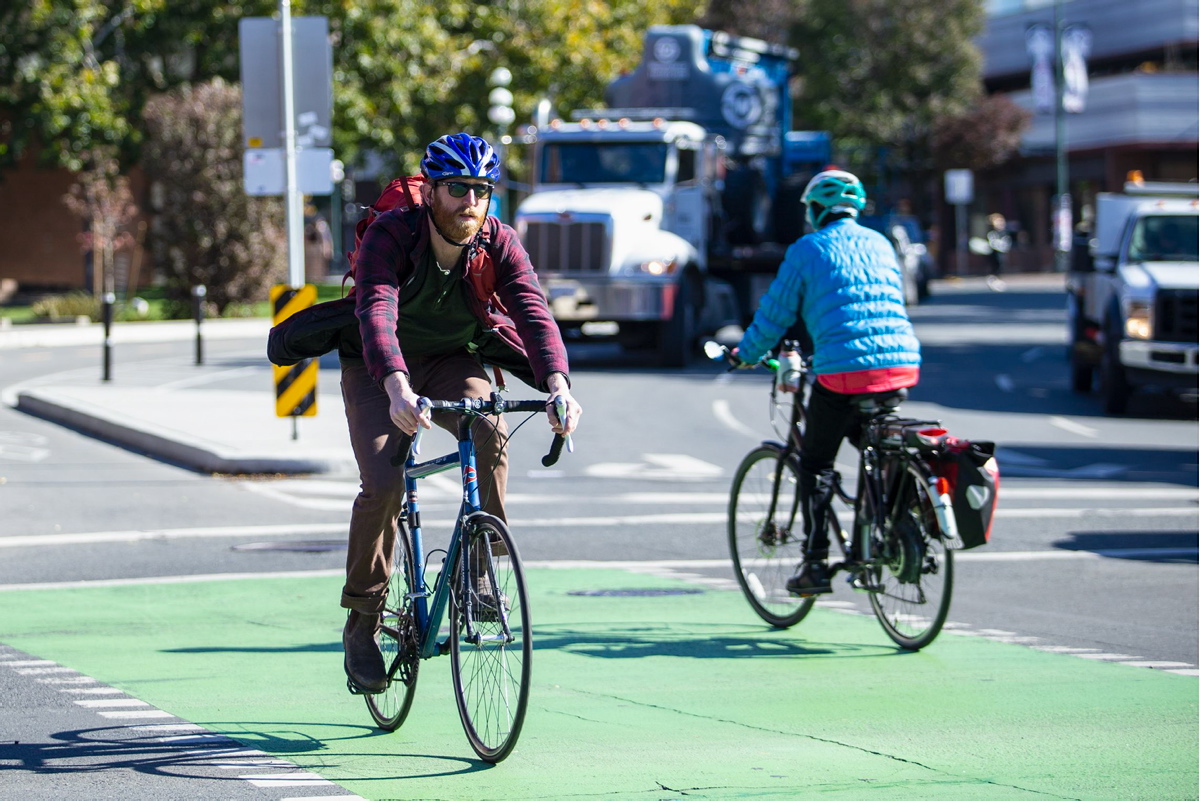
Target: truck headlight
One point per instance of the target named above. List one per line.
(658, 266)
(1139, 322)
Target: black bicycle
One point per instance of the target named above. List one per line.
(898, 548)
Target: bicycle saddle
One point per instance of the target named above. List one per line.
(885, 403)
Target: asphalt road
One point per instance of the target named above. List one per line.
(1093, 551)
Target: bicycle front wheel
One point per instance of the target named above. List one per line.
(767, 548)
(491, 643)
(398, 640)
(912, 570)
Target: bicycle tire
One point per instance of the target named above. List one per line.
(398, 641)
(766, 554)
(912, 571)
(491, 672)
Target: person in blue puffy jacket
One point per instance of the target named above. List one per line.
(844, 283)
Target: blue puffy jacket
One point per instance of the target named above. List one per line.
(845, 283)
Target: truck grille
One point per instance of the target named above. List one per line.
(1175, 315)
(568, 247)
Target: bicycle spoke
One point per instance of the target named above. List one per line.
(914, 570)
(491, 652)
(767, 548)
(398, 642)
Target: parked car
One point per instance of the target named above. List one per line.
(906, 236)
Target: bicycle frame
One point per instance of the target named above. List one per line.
(430, 607)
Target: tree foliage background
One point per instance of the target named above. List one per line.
(74, 73)
(212, 233)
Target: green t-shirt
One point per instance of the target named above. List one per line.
(435, 316)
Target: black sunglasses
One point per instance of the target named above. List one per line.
(460, 189)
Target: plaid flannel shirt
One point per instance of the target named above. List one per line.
(515, 313)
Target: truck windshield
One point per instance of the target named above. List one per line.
(604, 163)
(1165, 238)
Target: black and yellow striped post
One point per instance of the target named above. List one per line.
(295, 386)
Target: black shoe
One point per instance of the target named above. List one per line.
(364, 661)
(813, 579)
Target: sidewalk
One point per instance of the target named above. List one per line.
(180, 413)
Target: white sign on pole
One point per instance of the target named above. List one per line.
(960, 186)
(261, 46)
(266, 173)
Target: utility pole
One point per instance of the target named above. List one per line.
(294, 200)
(1061, 214)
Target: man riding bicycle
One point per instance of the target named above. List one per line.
(428, 311)
(844, 283)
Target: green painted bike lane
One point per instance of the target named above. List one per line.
(638, 696)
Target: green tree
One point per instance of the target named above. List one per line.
(985, 136)
(883, 71)
(102, 199)
(74, 73)
(207, 230)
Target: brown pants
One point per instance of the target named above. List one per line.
(375, 440)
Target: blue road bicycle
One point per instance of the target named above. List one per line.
(479, 592)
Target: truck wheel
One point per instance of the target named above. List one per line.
(1113, 382)
(679, 333)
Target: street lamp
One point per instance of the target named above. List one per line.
(501, 114)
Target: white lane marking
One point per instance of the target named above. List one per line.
(587, 564)
(324, 798)
(98, 703)
(725, 416)
(30, 663)
(43, 671)
(92, 690)
(666, 518)
(140, 714)
(658, 467)
(1158, 665)
(1073, 427)
(286, 780)
(1105, 657)
(1005, 382)
(20, 446)
(68, 680)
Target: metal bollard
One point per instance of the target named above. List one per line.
(199, 292)
(106, 308)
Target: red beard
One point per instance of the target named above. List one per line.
(458, 223)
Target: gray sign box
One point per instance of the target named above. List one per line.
(261, 47)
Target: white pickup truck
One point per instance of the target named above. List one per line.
(1133, 295)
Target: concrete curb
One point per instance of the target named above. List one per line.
(172, 445)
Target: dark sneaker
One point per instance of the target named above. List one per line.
(813, 579)
(364, 661)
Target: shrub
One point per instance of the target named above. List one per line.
(206, 229)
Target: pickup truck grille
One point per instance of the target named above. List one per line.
(1175, 315)
(568, 247)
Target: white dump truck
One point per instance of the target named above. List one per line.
(1133, 293)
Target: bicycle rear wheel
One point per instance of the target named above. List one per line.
(912, 570)
(398, 641)
(491, 644)
(766, 549)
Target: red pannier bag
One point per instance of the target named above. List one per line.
(972, 477)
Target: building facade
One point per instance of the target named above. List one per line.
(1140, 111)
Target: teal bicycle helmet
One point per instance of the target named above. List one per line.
(833, 192)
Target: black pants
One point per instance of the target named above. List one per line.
(831, 417)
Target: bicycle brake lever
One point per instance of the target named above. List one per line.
(422, 405)
(560, 409)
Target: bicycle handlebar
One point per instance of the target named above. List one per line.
(497, 405)
(716, 352)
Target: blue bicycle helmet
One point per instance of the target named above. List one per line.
(833, 191)
(460, 155)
